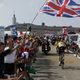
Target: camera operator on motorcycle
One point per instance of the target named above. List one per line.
(60, 49)
(46, 46)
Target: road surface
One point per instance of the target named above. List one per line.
(48, 67)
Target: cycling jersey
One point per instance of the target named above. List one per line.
(60, 44)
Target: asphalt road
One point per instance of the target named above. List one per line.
(48, 67)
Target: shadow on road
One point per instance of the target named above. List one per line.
(51, 54)
(72, 67)
(46, 69)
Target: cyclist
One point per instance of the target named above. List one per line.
(61, 48)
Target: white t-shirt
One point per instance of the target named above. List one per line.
(6, 48)
(25, 54)
(10, 58)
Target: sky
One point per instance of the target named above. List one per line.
(25, 11)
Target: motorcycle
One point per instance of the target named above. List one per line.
(45, 48)
(74, 48)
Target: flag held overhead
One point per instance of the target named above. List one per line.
(61, 8)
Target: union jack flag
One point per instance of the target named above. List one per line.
(64, 8)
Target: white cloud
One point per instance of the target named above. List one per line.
(1, 3)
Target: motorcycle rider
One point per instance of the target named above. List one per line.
(45, 43)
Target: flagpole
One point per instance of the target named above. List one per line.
(37, 13)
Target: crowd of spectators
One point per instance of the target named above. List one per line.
(16, 57)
